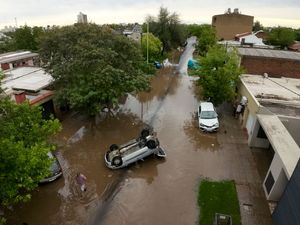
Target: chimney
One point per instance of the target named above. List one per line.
(20, 96)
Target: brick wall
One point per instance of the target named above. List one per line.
(273, 67)
(228, 25)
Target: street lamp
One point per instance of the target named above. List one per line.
(147, 42)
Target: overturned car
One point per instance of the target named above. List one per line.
(137, 149)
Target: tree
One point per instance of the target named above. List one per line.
(257, 26)
(24, 38)
(6, 45)
(219, 74)
(154, 47)
(167, 28)
(23, 150)
(281, 36)
(297, 34)
(206, 36)
(92, 66)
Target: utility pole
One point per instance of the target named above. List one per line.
(147, 42)
(16, 22)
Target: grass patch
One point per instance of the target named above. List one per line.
(218, 197)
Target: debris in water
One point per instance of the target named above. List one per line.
(77, 136)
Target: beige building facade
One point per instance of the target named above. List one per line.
(229, 24)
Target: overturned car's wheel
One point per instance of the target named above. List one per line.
(113, 147)
(151, 144)
(145, 133)
(117, 161)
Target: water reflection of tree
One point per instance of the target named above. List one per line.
(201, 140)
(163, 83)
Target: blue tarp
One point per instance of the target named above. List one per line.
(193, 64)
(157, 65)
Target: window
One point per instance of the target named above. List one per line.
(269, 182)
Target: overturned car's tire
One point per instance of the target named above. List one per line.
(113, 147)
(145, 133)
(151, 144)
(117, 161)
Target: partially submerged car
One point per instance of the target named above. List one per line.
(137, 149)
(54, 169)
(208, 118)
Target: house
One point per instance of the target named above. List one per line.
(295, 47)
(135, 33)
(229, 24)
(276, 63)
(247, 39)
(251, 39)
(16, 59)
(30, 84)
(271, 119)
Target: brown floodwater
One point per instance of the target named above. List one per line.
(153, 191)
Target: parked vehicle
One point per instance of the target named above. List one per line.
(137, 149)
(157, 65)
(208, 118)
(55, 170)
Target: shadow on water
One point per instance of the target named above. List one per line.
(107, 197)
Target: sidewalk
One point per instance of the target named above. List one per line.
(253, 204)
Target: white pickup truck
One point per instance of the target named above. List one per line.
(137, 149)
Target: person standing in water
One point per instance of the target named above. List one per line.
(81, 180)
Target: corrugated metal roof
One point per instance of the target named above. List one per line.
(15, 56)
(269, 53)
(26, 78)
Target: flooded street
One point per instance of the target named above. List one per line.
(153, 191)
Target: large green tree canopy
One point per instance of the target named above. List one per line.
(23, 149)
(219, 74)
(168, 28)
(206, 36)
(154, 47)
(92, 66)
(24, 38)
(281, 36)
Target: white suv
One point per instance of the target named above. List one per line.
(208, 118)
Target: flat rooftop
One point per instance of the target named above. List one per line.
(283, 143)
(15, 56)
(269, 53)
(31, 79)
(275, 92)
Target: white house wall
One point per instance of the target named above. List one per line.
(255, 141)
(278, 173)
